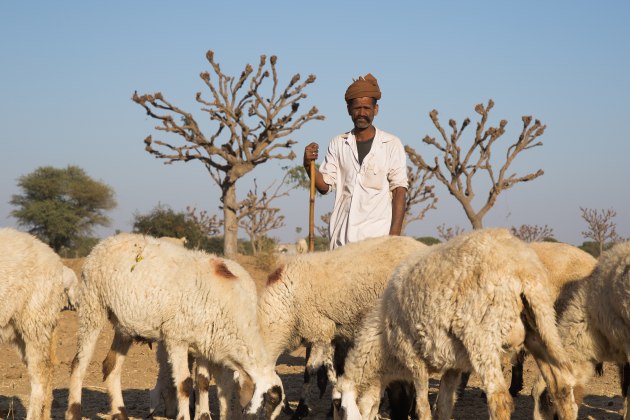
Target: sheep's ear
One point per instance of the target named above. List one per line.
(546, 404)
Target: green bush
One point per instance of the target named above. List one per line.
(428, 240)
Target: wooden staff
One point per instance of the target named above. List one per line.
(311, 215)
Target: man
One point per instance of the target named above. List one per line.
(367, 168)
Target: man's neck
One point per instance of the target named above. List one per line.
(365, 134)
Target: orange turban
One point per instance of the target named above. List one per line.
(366, 86)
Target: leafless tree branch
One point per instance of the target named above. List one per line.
(457, 168)
(249, 127)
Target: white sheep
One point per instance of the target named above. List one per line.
(565, 264)
(594, 324)
(34, 287)
(152, 290)
(457, 307)
(319, 298)
(301, 246)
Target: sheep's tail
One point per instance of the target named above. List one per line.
(543, 341)
(542, 337)
(540, 324)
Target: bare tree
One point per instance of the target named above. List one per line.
(447, 233)
(458, 168)
(418, 193)
(323, 230)
(257, 217)
(210, 225)
(250, 128)
(532, 233)
(601, 227)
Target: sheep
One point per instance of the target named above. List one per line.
(565, 264)
(455, 308)
(318, 299)
(35, 287)
(301, 246)
(594, 324)
(151, 290)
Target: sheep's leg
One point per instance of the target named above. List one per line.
(318, 355)
(302, 409)
(202, 402)
(516, 383)
(486, 362)
(91, 322)
(624, 373)
(112, 367)
(447, 395)
(421, 382)
(163, 386)
(178, 356)
(38, 357)
(226, 389)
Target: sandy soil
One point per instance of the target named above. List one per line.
(140, 370)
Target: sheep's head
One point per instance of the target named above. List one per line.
(266, 403)
(563, 406)
(71, 288)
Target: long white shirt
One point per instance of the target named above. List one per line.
(363, 200)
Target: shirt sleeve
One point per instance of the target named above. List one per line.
(397, 174)
(330, 168)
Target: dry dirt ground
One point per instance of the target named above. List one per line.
(603, 400)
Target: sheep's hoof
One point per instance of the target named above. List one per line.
(301, 411)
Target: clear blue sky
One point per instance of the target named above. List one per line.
(68, 70)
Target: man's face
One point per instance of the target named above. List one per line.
(362, 111)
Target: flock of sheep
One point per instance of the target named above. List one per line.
(373, 312)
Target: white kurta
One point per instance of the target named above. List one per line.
(363, 200)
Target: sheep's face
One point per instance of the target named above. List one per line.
(70, 287)
(266, 403)
(546, 407)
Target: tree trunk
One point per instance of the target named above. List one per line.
(230, 229)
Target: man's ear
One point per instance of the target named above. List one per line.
(375, 110)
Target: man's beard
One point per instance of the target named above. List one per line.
(362, 123)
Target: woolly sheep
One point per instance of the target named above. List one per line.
(320, 298)
(457, 307)
(565, 264)
(316, 299)
(301, 246)
(594, 324)
(34, 287)
(152, 290)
